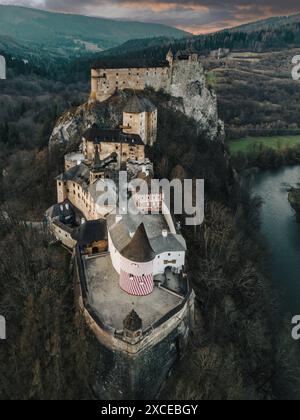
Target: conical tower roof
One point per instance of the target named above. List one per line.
(97, 164)
(132, 322)
(139, 248)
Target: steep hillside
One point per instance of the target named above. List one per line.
(266, 35)
(273, 22)
(73, 35)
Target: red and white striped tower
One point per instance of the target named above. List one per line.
(136, 274)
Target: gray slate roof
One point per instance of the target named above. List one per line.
(139, 248)
(63, 211)
(79, 173)
(153, 226)
(98, 135)
(136, 105)
(91, 231)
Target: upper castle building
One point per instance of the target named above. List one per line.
(107, 77)
(140, 117)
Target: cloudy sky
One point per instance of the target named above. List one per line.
(197, 16)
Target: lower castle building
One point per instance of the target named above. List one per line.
(131, 284)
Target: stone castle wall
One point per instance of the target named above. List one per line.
(125, 151)
(105, 82)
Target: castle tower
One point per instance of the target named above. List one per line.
(132, 327)
(170, 57)
(136, 277)
(140, 117)
(96, 169)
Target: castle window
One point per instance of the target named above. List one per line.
(59, 183)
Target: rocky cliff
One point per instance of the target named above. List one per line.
(198, 101)
(189, 94)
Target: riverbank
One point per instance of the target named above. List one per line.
(280, 230)
(294, 199)
(263, 157)
(254, 144)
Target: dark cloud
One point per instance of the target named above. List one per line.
(196, 15)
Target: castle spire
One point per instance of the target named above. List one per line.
(97, 160)
(170, 56)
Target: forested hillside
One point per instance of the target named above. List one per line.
(69, 35)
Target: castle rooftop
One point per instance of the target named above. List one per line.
(79, 173)
(136, 105)
(131, 63)
(90, 231)
(98, 135)
(139, 248)
(153, 226)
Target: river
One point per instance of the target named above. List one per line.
(281, 231)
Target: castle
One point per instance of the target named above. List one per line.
(132, 287)
(158, 75)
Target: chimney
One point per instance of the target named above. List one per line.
(164, 233)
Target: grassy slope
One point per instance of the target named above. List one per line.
(247, 144)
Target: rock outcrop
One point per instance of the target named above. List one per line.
(198, 101)
(190, 95)
(72, 124)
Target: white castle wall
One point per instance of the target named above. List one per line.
(168, 259)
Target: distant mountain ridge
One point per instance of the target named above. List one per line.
(269, 34)
(264, 24)
(72, 35)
